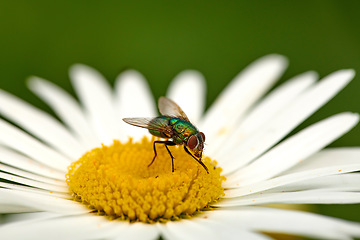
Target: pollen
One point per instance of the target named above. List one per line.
(117, 182)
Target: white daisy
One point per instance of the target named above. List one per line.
(115, 195)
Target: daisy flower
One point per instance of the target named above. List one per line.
(85, 174)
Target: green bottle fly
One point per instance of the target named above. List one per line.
(176, 128)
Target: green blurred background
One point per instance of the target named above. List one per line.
(162, 38)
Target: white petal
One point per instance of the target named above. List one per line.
(301, 197)
(8, 208)
(186, 229)
(33, 183)
(338, 182)
(29, 217)
(224, 231)
(227, 232)
(341, 188)
(326, 162)
(31, 176)
(66, 227)
(17, 160)
(287, 120)
(77, 227)
(67, 108)
(138, 231)
(240, 95)
(34, 190)
(41, 202)
(133, 99)
(97, 98)
(331, 157)
(300, 146)
(188, 90)
(263, 112)
(40, 124)
(288, 222)
(22, 142)
(205, 229)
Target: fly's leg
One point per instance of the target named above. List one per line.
(169, 143)
(166, 144)
(154, 152)
(198, 160)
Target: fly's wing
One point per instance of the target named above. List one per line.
(168, 107)
(147, 123)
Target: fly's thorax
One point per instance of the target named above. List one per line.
(182, 130)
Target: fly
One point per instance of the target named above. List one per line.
(176, 128)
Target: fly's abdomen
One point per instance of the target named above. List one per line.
(160, 121)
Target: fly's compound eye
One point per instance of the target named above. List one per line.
(203, 136)
(192, 142)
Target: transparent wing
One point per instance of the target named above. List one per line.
(147, 123)
(167, 107)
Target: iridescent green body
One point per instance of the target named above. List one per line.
(176, 128)
(181, 129)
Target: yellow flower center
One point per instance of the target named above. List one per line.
(116, 181)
